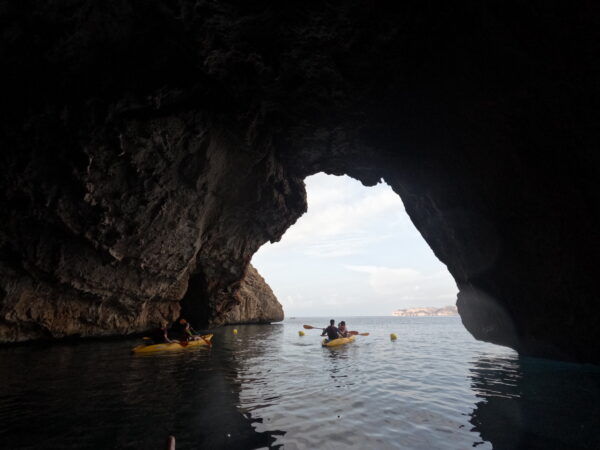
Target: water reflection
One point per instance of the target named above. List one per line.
(339, 370)
(254, 349)
(251, 386)
(98, 395)
(529, 403)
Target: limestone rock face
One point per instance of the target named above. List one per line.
(150, 147)
(257, 303)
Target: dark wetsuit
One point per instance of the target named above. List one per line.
(159, 335)
(186, 334)
(178, 330)
(332, 332)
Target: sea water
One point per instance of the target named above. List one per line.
(434, 387)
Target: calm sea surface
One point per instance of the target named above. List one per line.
(435, 387)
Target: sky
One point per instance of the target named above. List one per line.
(354, 253)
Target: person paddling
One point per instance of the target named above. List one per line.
(183, 330)
(178, 328)
(331, 331)
(342, 329)
(188, 334)
(160, 335)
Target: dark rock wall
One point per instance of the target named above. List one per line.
(148, 143)
(167, 201)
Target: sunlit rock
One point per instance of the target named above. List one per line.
(257, 303)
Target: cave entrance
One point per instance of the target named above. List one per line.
(356, 253)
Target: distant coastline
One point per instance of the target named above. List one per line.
(426, 312)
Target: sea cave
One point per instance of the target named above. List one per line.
(150, 148)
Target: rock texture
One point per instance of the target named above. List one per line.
(150, 147)
(257, 303)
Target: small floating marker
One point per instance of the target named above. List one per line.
(393, 336)
(300, 333)
(235, 331)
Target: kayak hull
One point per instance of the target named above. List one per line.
(337, 342)
(173, 346)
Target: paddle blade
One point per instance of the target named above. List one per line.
(355, 333)
(308, 327)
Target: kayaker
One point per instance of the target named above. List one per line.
(342, 329)
(182, 329)
(331, 331)
(178, 328)
(160, 335)
(187, 334)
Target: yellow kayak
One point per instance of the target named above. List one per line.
(336, 342)
(203, 341)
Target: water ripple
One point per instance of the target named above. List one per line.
(433, 388)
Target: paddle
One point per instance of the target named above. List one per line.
(150, 341)
(205, 340)
(197, 334)
(354, 333)
(310, 327)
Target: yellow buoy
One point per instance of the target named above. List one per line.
(235, 331)
(300, 333)
(393, 336)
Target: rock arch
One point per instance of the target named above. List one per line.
(146, 145)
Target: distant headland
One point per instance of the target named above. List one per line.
(426, 311)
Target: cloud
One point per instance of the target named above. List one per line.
(408, 283)
(317, 301)
(342, 216)
(349, 244)
(354, 251)
(296, 299)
